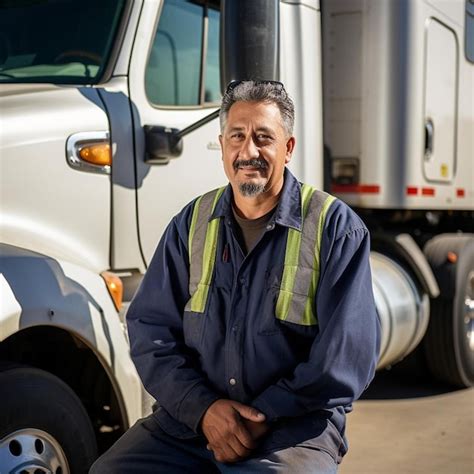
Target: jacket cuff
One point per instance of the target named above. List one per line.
(194, 405)
(275, 403)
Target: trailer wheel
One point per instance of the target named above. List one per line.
(449, 340)
(44, 427)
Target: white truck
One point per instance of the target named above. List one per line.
(108, 127)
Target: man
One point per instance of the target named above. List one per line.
(255, 326)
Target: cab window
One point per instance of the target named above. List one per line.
(57, 41)
(183, 66)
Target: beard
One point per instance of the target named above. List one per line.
(251, 189)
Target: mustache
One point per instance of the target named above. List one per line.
(254, 163)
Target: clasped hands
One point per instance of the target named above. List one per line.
(232, 429)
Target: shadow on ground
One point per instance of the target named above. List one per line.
(393, 385)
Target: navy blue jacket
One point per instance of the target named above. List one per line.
(296, 375)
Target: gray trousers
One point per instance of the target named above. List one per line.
(145, 448)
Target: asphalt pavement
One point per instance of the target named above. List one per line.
(408, 425)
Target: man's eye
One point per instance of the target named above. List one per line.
(264, 137)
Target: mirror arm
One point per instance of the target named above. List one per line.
(197, 124)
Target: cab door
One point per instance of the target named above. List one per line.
(174, 82)
(441, 78)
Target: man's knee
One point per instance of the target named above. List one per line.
(101, 466)
(125, 452)
(95, 469)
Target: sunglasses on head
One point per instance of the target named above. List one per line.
(233, 84)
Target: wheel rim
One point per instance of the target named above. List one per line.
(32, 451)
(469, 311)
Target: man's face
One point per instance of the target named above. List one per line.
(255, 148)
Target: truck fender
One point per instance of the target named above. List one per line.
(404, 248)
(40, 293)
(38, 290)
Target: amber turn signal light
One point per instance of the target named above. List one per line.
(115, 287)
(97, 154)
(452, 257)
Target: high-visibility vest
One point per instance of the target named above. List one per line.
(299, 281)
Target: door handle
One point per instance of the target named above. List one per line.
(429, 138)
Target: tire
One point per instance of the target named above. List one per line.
(43, 425)
(449, 340)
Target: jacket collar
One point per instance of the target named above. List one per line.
(288, 212)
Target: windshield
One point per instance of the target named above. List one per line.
(56, 41)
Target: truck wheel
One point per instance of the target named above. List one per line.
(449, 340)
(44, 427)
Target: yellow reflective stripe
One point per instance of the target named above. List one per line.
(292, 253)
(322, 218)
(192, 228)
(309, 318)
(199, 298)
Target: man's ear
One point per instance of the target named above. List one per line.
(222, 145)
(290, 146)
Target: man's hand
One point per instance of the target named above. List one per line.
(225, 426)
(256, 429)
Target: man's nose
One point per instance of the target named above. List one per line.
(249, 149)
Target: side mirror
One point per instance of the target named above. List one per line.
(249, 38)
(161, 144)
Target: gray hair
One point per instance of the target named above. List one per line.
(259, 91)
